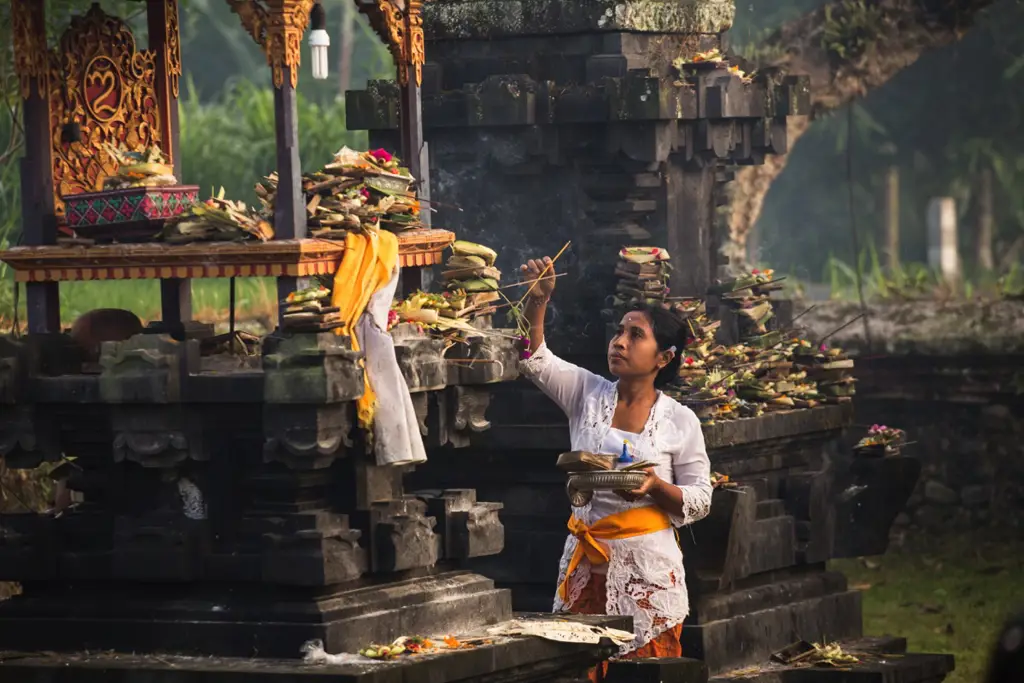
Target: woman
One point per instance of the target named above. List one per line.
(621, 556)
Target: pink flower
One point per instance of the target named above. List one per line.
(525, 354)
(823, 347)
(365, 193)
(755, 271)
(381, 155)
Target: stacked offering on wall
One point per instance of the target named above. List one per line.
(768, 370)
(643, 276)
(356, 191)
(470, 298)
(308, 310)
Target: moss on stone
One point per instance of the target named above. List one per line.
(465, 19)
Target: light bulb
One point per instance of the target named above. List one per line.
(319, 41)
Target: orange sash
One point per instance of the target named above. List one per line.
(625, 524)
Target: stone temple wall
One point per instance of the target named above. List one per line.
(952, 376)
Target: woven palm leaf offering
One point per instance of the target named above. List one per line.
(464, 309)
(356, 191)
(590, 472)
(472, 281)
(642, 275)
(217, 219)
(830, 368)
(880, 441)
(146, 168)
(309, 310)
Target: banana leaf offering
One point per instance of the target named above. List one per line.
(769, 370)
(147, 168)
(471, 281)
(356, 191)
(217, 219)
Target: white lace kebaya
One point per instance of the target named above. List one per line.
(645, 576)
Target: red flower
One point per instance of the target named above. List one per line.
(365, 193)
(381, 155)
(755, 271)
(689, 361)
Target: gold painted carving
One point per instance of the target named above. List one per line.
(417, 50)
(98, 80)
(403, 35)
(30, 54)
(277, 27)
(172, 45)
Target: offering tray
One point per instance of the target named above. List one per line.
(581, 485)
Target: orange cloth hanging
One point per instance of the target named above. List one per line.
(369, 260)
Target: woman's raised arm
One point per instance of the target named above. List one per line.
(563, 382)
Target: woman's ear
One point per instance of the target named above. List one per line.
(667, 357)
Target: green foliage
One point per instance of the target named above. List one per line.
(231, 143)
(851, 27)
(950, 594)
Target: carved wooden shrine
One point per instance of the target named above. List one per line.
(225, 505)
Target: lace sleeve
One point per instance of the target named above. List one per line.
(691, 468)
(561, 381)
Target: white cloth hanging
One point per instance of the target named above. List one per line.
(396, 431)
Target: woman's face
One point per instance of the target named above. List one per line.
(633, 351)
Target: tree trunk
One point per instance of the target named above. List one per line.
(892, 218)
(841, 73)
(983, 252)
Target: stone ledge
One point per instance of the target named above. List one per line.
(515, 659)
(930, 328)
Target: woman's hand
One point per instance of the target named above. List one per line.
(544, 287)
(651, 483)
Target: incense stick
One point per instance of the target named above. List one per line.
(803, 314)
(545, 271)
(527, 282)
(839, 329)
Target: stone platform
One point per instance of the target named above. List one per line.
(523, 660)
(239, 621)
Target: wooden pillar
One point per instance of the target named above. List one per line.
(39, 216)
(165, 41)
(414, 148)
(289, 205)
(410, 121)
(278, 27)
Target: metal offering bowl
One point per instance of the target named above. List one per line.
(581, 485)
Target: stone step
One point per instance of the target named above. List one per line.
(771, 591)
(751, 638)
(661, 670)
(907, 668)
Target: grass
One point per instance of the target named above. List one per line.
(915, 281)
(950, 595)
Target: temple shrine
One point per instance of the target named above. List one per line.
(229, 510)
